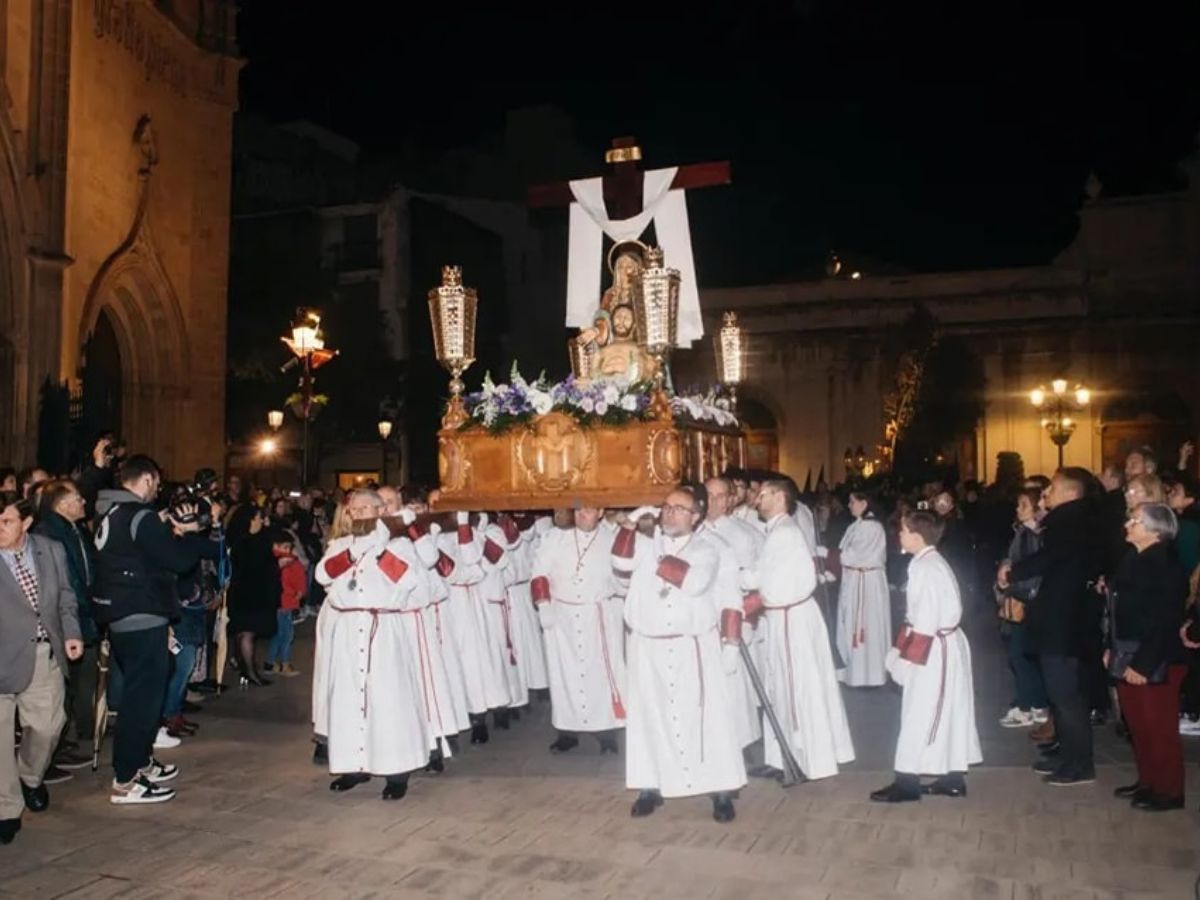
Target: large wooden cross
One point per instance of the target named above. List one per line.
(623, 184)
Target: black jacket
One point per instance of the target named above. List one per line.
(81, 565)
(1151, 589)
(1064, 608)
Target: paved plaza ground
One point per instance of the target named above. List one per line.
(255, 818)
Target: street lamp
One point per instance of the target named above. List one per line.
(1056, 406)
(307, 344)
(385, 431)
(275, 419)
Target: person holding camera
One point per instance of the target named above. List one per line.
(139, 555)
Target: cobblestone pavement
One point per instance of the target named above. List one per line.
(255, 818)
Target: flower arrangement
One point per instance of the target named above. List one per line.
(711, 406)
(499, 407)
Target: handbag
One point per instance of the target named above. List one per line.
(1122, 651)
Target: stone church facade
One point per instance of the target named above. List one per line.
(1118, 310)
(115, 147)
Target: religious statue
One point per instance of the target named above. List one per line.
(612, 342)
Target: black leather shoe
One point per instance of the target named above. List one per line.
(895, 793)
(1151, 802)
(723, 810)
(345, 782)
(501, 718)
(320, 755)
(566, 742)
(437, 762)
(1127, 791)
(479, 733)
(608, 744)
(646, 803)
(941, 788)
(8, 830)
(765, 771)
(396, 788)
(36, 798)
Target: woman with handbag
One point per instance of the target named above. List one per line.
(1029, 706)
(1146, 655)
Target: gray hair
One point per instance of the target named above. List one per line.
(1159, 520)
(371, 495)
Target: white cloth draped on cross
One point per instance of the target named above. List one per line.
(589, 223)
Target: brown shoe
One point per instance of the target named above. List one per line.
(1044, 732)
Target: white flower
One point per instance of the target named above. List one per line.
(541, 402)
(629, 403)
(587, 404)
(601, 407)
(611, 394)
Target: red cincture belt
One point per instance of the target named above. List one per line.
(618, 707)
(787, 642)
(374, 612)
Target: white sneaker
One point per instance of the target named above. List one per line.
(1040, 716)
(1017, 718)
(164, 741)
(140, 790)
(1189, 727)
(157, 772)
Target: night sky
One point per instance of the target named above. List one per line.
(921, 141)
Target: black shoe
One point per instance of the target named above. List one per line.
(567, 742)
(437, 762)
(1047, 765)
(941, 788)
(608, 744)
(1049, 748)
(1068, 779)
(765, 771)
(1098, 718)
(723, 810)
(515, 715)
(320, 755)
(67, 758)
(646, 803)
(501, 718)
(268, 667)
(345, 782)
(396, 787)
(895, 793)
(258, 681)
(479, 733)
(36, 798)
(1152, 802)
(8, 830)
(1127, 791)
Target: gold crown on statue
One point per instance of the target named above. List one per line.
(451, 276)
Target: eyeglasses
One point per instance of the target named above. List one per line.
(672, 508)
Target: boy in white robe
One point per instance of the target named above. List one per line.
(932, 662)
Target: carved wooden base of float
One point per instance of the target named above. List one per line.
(556, 462)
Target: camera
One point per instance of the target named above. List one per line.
(197, 495)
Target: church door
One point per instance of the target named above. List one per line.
(102, 382)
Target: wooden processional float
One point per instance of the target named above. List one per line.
(594, 439)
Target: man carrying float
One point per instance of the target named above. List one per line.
(374, 718)
(581, 616)
(683, 641)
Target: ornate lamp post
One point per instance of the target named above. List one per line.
(452, 309)
(307, 344)
(385, 431)
(1056, 406)
(657, 314)
(730, 345)
(275, 419)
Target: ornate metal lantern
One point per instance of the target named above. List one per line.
(730, 345)
(657, 314)
(452, 309)
(582, 355)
